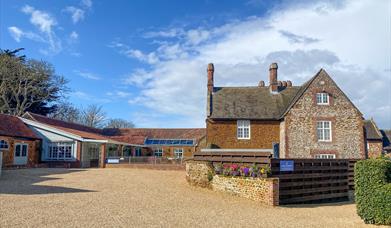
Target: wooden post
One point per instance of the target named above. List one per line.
(121, 150)
(102, 160)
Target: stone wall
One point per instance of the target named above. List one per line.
(199, 173)
(374, 149)
(264, 190)
(347, 125)
(223, 134)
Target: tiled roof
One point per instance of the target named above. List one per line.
(371, 130)
(13, 126)
(250, 102)
(73, 128)
(258, 102)
(138, 135)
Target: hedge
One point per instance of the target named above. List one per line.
(372, 179)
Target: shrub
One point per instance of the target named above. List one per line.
(373, 190)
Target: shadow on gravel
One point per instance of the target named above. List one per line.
(309, 205)
(26, 181)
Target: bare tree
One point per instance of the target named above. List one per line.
(93, 116)
(67, 112)
(119, 123)
(28, 85)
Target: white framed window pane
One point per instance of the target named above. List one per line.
(158, 152)
(323, 129)
(318, 98)
(3, 144)
(322, 98)
(243, 129)
(178, 152)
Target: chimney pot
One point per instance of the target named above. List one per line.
(284, 84)
(261, 83)
(210, 71)
(279, 83)
(289, 83)
(273, 83)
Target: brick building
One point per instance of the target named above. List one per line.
(161, 142)
(314, 120)
(18, 143)
(377, 140)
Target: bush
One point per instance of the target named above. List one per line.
(373, 190)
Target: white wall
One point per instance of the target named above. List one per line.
(51, 137)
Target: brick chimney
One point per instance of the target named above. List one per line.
(289, 83)
(210, 71)
(273, 83)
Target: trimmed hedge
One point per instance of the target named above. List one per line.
(372, 179)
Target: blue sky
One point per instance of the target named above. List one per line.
(145, 61)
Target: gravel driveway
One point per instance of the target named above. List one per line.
(143, 198)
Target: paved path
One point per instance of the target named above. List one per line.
(143, 198)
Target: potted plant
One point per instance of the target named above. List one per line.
(235, 170)
(254, 170)
(245, 171)
(218, 169)
(265, 171)
(226, 170)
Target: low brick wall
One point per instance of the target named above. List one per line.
(264, 190)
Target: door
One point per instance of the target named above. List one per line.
(21, 154)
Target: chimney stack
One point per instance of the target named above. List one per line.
(273, 83)
(261, 83)
(210, 71)
(289, 83)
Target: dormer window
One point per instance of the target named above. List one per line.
(3, 145)
(322, 99)
(243, 129)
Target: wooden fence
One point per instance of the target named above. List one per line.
(314, 180)
(241, 158)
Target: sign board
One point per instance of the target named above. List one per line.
(113, 161)
(287, 165)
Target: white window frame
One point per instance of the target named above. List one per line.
(4, 145)
(54, 148)
(321, 131)
(178, 151)
(325, 156)
(322, 99)
(243, 130)
(158, 152)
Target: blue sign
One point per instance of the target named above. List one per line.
(287, 165)
(113, 160)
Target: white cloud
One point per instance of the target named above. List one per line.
(86, 3)
(118, 94)
(41, 19)
(16, 33)
(355, 50)
(74, 35)
(87, 75)
(45, 23)
(76, 13)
